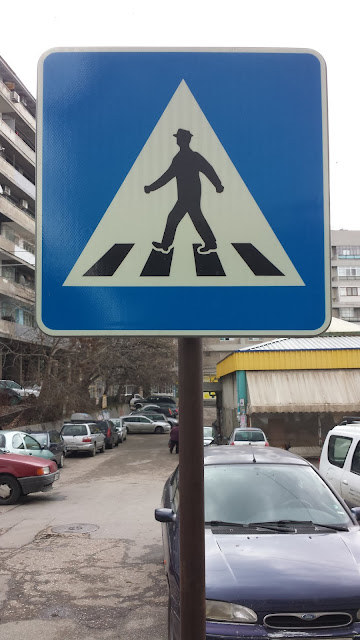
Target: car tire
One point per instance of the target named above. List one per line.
(61, 461)
(10, 490)
(159, 430)
(117, 443)
(102, 450)
(92, 453)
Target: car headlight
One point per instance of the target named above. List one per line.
(228, 612)
(43, 471)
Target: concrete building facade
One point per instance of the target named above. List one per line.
(345, 274)
(17, 217)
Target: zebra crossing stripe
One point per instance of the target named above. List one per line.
(207, 264)
(110, 261)
(158, 264)
(255, 260)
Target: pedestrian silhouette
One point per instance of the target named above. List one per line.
(186, 167)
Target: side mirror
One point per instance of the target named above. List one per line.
(165, 515)
(356, 512)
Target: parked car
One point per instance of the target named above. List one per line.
(252, 436)
(21, 475)
(159, 399)
(120, 428)
(53, 441)
(9, 396)
(111, 435)
(282, 550)
(210, 436)
(169, 411)
(340, 461)
(136, 398)
(20, 390)
(23, 443)
(143, 424)
(85, 436)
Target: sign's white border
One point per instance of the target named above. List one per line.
(208, 333)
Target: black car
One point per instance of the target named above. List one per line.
(168, 400)
(53, 441)
(168, 409)
(109, 430)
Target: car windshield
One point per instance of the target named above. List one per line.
(245, 493)
(116, 422)
(249, 436)
(74, 430)
(40, 437)
(208, 432)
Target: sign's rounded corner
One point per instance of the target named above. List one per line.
(47, 54)
(316, 54)
(42, 326)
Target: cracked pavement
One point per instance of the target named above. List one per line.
(108, 584)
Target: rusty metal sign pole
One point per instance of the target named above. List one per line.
(191, 478)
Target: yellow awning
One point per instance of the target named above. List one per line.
(304, 391)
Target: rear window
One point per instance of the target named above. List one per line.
(2, 441)
(102, 426)
(338, 449)
(74, 430)
(249, 436)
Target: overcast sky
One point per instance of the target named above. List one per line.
(328, 26)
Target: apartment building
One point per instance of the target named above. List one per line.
(17, 218)
(345, 290)
(345, 274)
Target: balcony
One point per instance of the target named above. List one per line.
(11, 137)
(19, 217)
(12, 176)
(12, 289)
(8, 106)
(23, 256)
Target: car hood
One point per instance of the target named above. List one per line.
(284, 572)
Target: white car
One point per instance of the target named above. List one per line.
(340, 462)
(120, 428)
(143, 424)
(21, 391)
(136, 399)
(83, 437)
(251, 436)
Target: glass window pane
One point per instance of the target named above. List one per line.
(337, 450)
(31, 443)
(355, 463)
(17, 442)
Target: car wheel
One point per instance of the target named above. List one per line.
(92, 453)
(10, 490)
(159, 430)
(117, 443)
(102, 450)
(61, 461)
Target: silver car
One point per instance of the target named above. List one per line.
(120, 428)
(252, 436)
(143, 424)
(83, 437)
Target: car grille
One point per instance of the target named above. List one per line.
(311, 620)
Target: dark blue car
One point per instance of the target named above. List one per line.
(282, 549)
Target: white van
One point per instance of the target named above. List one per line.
(340, 461)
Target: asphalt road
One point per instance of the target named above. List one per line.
(107, 583)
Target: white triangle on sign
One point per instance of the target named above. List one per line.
(136, 218)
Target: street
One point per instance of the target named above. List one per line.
(104, 579)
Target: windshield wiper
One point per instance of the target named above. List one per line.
(223, 523)
(283, 524)
(272, 526)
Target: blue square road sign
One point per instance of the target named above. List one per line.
(182, 192)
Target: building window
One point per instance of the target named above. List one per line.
(350, 314)
(349, 291)
(349, 273)
(29, 247)
(348, 252)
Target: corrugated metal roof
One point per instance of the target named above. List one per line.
(307, 344)
(318, 391)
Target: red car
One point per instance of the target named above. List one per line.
(20, 475)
